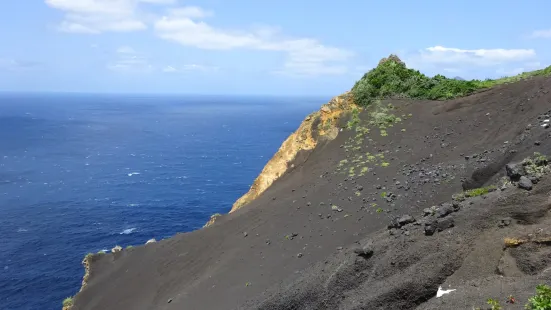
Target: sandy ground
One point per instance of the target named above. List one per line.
(318, 238)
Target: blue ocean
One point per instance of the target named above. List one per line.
(81, 173)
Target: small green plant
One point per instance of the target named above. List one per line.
(248, 284)
(129, 247)
(379, 210)
(358, 193)
(494, 304)
(68, 302)
(383, 195)
(355, 119)
(542, 299)
(385, 164)
(479, 191)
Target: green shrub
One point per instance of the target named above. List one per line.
(392, 79)
(494, 304)
(542, 299)
(68, 302)
(480, 191)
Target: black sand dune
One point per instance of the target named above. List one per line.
(318, 238)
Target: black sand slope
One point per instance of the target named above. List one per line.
(319, 237)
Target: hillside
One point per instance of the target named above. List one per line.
(405, 184)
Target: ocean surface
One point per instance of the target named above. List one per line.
(81, 173)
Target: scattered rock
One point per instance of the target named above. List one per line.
(401, 221)
(299, 255)
(364, 252)
(456, 206)
(406, 219)
(245, 234)
(430, 227)
(534, 179)
(515, 171)
(504, 222)
(444, 210)
(429, 211)
(445, 223)
(169, 301)
(525, 183)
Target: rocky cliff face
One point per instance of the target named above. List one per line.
(318, 126)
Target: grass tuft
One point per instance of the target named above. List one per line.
(68, 302)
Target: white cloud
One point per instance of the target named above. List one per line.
(304, 56)
(160, 1)
(169, 69)
(191, 67)
(478, 57)
(195, 67)
(529, 66)
(546, 34)
(97, 16)
(439, 59)
(126, 50)
(190, 12)
(18, 65)
(128, 60)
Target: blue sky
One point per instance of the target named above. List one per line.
(283, 47)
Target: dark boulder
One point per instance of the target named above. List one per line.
(525, 183)
(364, 252)
(445, 223)
(444, 210)
(515, 171)
(430, 227)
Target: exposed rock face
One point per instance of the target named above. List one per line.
(212, 220)
(319, 125)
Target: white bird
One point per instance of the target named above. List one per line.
(442, 292)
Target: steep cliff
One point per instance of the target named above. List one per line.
(318, 126)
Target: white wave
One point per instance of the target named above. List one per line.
(133, 173)
(22, 230)
(128, 231)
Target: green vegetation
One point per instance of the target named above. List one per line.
(494, 304)
(474, 193)
(129, 247)
(68, 302)
(542, 299)
(355, 120)
(536, 165)
(392, 79)
(479, 191)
